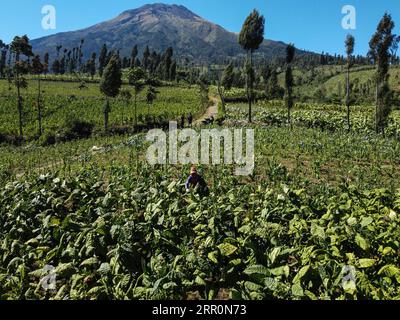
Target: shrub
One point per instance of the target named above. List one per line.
(75, 128)
(47, 139)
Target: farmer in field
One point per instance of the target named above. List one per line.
(182, 121)
(190, 119)
(196, 181)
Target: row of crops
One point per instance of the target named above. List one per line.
(322, 117)
(119, 235)
(115, 231)
(311, 155)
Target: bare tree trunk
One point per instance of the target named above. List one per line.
(249, 86)
(289, 97)
(348, 97)
(288, 114)
(221, 94)
(376, 108)
(135, 110)
(19, 107)
(106, 114)
(39, 109)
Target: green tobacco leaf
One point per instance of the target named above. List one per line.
(317, 231)
(349, 287)
(366, 263)
(310, 295)
(274, 254)
(54, 222)
(104, 269)
(297, 290)
(89, 262)
(227, 249)
(366, 221)
(361, 242)
(389, 270)
(65, 269)
(280, 271)
(302, 272)
(200, 281)
(251, 286)
(257, 270)
(212, 256)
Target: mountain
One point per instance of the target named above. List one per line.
(158, 26)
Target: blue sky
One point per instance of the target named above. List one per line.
(310, 24)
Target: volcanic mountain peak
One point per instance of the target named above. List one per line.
(158, 26)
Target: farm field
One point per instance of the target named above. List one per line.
(114, 227)
(64, 100)
(155, 155)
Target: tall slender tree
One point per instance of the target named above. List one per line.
(146, 58)
(126, 96)
(380, 46)
(38, 69)
(58, 49)
(172, 71)
(3, 58)
(92, 65)
(250, 38)
(80, 54)
(46, 63)
(134, 54)
(166, 64)
(224, 83)
(289, 81)
(20, 46)
(103, 59)
(137, 79)
(349, 43)
(110, 85)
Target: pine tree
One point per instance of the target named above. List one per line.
(290, 52)
(37, 69)
(166, 64)
(137, 79)
(46, 63)
(3, 58)
(110, 85)
(20, 46)
(56, 66)
(92, 65)
(349, 51)
(172, 71)
(273, 90)
(134, 54)
(103, 59)
(146, 57)
(250, 38)
(225, 83)
(380, 46)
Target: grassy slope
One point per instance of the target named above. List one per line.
(329, 77)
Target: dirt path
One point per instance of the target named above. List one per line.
(211, 111)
